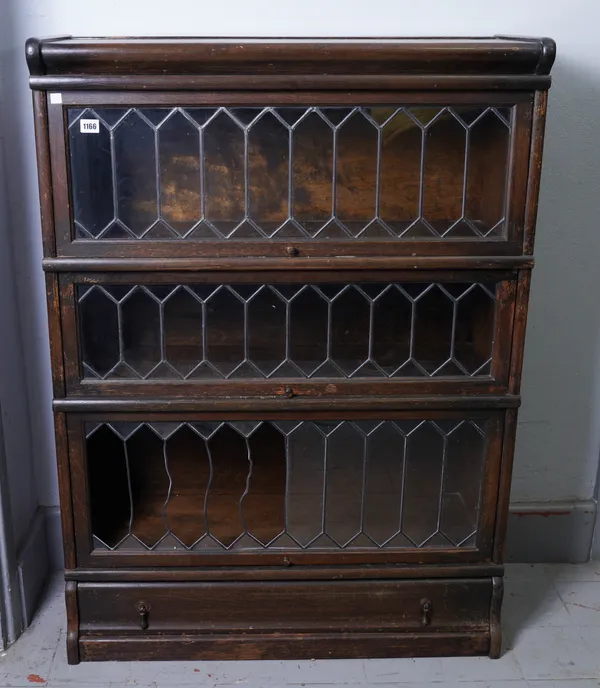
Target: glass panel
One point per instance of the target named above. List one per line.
(135, 173)
(356, 172)
(108, 474)
(255, 485)
(189, 470)
(350, 330)
(474, 329)
(401, 139)
(183, 331)
(345, 472)
(443, 172)
(425, 458)
(433, 319)
(312, 145)
(99, 320)
(462, 481)
(179, 181)
(224, 172)
(230, 468)
(225, 329)
(305, 498)
(264, 503)
(488, 159)
(149, 485)
(92, 179)
(364, 173)
(309, 331)
(384, 482)
(141, 331)
(268, 172)
(392, 315)
(266, 330)
(295, 331)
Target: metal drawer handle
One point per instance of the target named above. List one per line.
(143, 609)
(426, 611)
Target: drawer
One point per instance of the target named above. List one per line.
(276, 607)
(281, 180)
(350, 335)
(406, 487)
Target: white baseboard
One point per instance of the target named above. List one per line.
(551, 531)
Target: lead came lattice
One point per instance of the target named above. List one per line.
(382, 173)
(197, 331)
(286, 484)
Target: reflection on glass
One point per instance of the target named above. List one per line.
(366, 173)
(296, 331)
(327, 485)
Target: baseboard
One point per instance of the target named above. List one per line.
(551, 531)
(537, 532)
(33, 566)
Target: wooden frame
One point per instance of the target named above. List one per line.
(89, 557)
(496, 382)
(200, 253)
(102, 585)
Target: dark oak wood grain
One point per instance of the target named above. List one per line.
(284, 646)
(40, 113)
(390, 622)
(495, 617)
(540, 105)
(508, 453)
(323, 573)
(371, 405)
(430, 596)
(370, 606)
(338, 264)
(503, 55)
(72, 622)
(64, 490)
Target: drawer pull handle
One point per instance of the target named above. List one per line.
(288, 392)
(292, 251)
(426, 611)
(143, 609)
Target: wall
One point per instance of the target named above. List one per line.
(13, 391)
(559, 433)
(18, 499)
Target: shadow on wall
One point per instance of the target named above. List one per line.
(558, 440)
(559, 436)
(15, 281)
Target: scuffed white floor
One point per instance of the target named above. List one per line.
(551, 622)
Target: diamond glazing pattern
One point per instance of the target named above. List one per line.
(286, 484)
(365, 173)
(203, 331)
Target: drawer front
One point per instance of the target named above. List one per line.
(287, 338)
(275, 606)
(208, 491)
(378, 178)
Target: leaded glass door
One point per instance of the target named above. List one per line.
(321, 337)
(375, 178)
(206, 491)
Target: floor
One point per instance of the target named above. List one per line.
(551, 623)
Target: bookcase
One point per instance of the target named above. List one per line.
(287, 287)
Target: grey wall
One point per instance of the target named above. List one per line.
(13, 387)
(559, 433)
